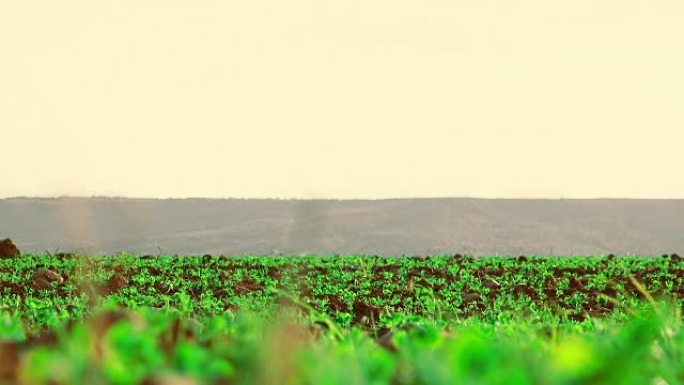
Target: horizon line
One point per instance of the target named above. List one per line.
(326, 199)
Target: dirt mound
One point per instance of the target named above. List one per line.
(43, 278)
(471, 297)
(8, 249)
(114, 284)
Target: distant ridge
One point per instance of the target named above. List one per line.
(401, 226)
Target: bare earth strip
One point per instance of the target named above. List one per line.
(382, 227)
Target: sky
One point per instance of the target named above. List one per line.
(365, 99)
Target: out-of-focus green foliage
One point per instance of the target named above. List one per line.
(248, 349)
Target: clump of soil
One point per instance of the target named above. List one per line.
(366, 312)
(247, 285)
(471, 297)
(8, 249)
(114, 284)
(43, 279)
(334, 302)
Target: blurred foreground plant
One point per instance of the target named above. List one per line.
(120, 346)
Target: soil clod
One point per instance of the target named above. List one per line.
(8, 249)
(43, 279)
(471, 297)
(492, 284)
(114, 284)
(366, 312)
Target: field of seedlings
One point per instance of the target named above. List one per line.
(126, 319)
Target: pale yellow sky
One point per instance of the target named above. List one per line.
(342, 99)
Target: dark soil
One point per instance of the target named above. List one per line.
(8, 249)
